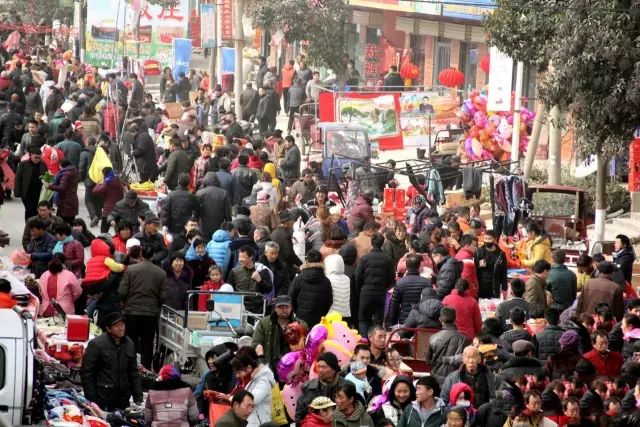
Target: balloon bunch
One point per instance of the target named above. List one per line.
(333, 335)
(489, 133)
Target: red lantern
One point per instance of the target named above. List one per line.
(451, 77)
(484, 64)
(409, 71)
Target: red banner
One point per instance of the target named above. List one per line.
(371, 66)
(194, 29)
(226, 20)
(634, 165)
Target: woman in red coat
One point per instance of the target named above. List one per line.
(468, 319)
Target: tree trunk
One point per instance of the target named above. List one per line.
(601, 200)
(541, 112)
(555, 147)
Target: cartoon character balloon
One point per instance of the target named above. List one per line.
(290, 396)
(488, 133)
(290, 367)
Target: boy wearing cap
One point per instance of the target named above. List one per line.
(109, 370)
(321, 413)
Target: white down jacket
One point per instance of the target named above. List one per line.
(340, 284)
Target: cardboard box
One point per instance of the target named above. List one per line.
(197, 320)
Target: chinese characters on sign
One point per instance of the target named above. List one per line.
(371, 64)
(226, 20)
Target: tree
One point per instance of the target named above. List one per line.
(321, 23)
(593, 70)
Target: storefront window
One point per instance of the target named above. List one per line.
(418, 46)
(442, 58)
(469, 63)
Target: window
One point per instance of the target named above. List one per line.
(442, 58)
(372, 36)
(469, 63)
(418, 46)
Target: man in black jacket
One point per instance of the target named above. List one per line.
(270, 259)
(144, 152)
(447, 342)
(522, 364)
(150, 238)
(311, 293)
(282, 236)
(407, 292)
(179, 206)
(28, 183)
(449, 270)
(505, 307)
(215, 205)
(375, 274)
(392, 80)
(491, 265)
(518, 332)
(549, 338)
(249, 101)
(109, 369)
(177, 163)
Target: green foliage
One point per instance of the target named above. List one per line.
(592, 49)
(37, 11)
(319, 22)
(525, 28)
(617, 196)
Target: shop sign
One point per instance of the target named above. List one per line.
(226, 20)
(428, 8)
(371, 64)
(473, 10)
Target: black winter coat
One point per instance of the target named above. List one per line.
(515, 368)
(177, 287)
(156, 242)
(406, 294)
(493, 276)
(214, 205)
(243, 181)
(425, 315)
(109, 373)
(123, 212)
(281, 280)
(144, 152)
(512, 335)
(311, 293)
(624, 260)
(178, 162)
(447, 342)
(549, 341)
(179, 206)
(375, 273)
(449, 271)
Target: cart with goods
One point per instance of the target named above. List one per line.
(186, 336)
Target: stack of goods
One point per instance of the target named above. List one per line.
(68, 408)
(488, 307)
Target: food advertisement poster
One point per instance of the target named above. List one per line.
(418, 110)
(377, 114)
(111, 32)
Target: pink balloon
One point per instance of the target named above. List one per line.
(480, 119)
(315, 337)
(510, 119)
(344, 335)
(494, 120)
(290, 395)
(290, 367)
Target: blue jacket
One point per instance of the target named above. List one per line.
(218, 249)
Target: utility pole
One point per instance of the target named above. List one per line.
(517, 106)
(541, 112)
(238, 39)
(78, 24)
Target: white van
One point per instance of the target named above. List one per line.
(17, 335)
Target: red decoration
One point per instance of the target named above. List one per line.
(484, 64)
(451, 77)
(409, 71)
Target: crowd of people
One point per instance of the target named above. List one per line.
(562, 348)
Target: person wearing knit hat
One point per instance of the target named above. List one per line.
(331, 360)
(326, 385)
(170, 400)
(563, 363)
(168, 372)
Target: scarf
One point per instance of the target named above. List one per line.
(59, 247)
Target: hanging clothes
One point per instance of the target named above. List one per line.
(435, 190)
(472, 182)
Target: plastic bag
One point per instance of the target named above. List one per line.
(20, 257)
